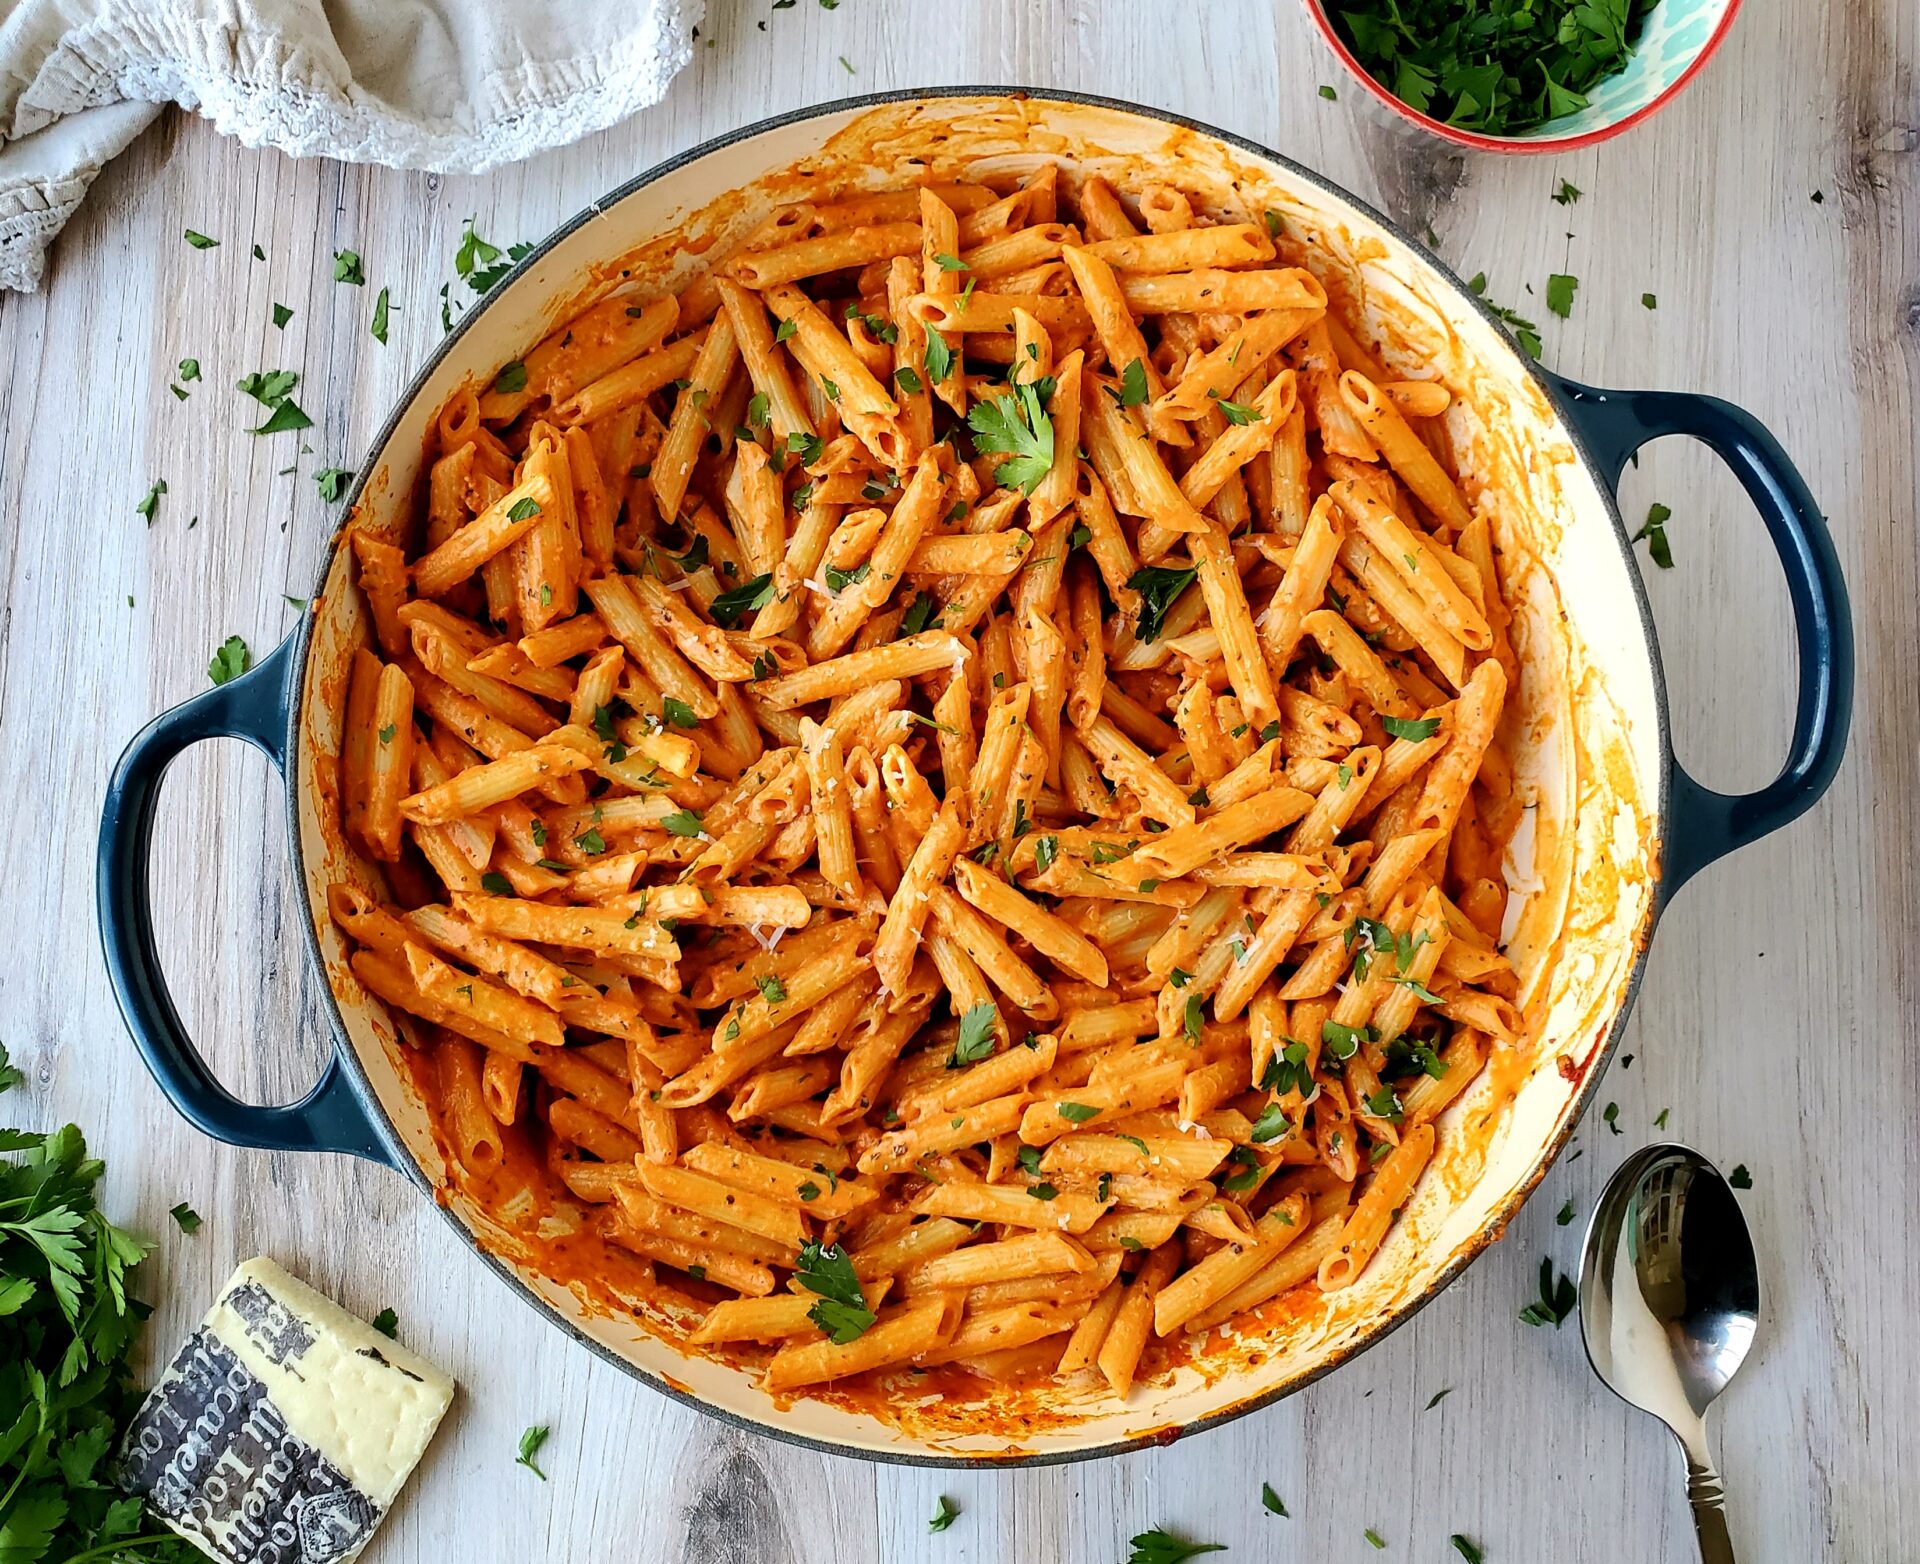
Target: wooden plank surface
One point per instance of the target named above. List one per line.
(1777, 1019)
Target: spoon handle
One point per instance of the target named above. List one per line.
(1708, 1497)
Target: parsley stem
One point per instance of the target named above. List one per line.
(109, 1549)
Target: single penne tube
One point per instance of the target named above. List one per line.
(1404, 450)
(1240, 648)
(1209, 290)
(820, 1196)
(1361, 664)
(906, 658)
(1229, 1267)
(992, 313)
(998, 1077)
(837, 250)
(1046, 931)
(629, 385)
(1132, 469)
(990, 554)
(1184, 849)
(1241, 442)
(1066, 1212)
(1449, 776)
(504, 522)
(1094, 275)
(692, 416)
(577, 928)
(1387, 1190)
(916, 1329)
(1223, 244)
(1296, 1264)
(719, 1202)
(1126, 1340)
(482, 786)
(1124, 763)
(895, 944)
(899, 1150)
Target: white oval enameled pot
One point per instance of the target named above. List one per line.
(1614, 824)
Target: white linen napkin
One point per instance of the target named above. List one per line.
(454, 85)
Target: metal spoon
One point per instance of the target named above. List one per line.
(1669, 1301)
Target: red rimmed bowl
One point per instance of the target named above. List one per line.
(1676, 40)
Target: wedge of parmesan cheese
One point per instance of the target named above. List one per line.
(284, 1428)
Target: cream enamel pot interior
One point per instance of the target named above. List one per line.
(1615, 825)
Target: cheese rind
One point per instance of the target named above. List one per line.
(284, 1427)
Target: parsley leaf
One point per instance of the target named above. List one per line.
(380, 310)
(1654, 530)
(150, 506)
(683, 822)
(333, 482)
(842, 1311)
(944, 1516)
(1556, 1300)
(530, 1443)
(975, 1041)
(678, 713)
(1133, 384)
(347, 268)
(1560, 291)
(1740, 1178)
(1412, 728)
(230, 661)
(1018, 426)
(1162, 1547)
(732, 605)
(1567, 194)
(1467, 1550)
(1159, 587)
(1076, 1112)
(1524, 331)
(200, 241)
(185, 1218)
(771, 989)
(512, 377)
(1271, 1124)
(387, 1323)
(1270, 1501)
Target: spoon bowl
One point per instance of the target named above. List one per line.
(1669, 1304)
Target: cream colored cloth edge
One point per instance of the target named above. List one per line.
(105, 82)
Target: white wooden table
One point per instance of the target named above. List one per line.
(1776, 1023)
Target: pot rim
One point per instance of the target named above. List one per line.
(402, 1160)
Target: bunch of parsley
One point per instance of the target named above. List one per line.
(67, 1322)
(1500, 67)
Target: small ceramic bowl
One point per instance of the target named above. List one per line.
(1677, 38)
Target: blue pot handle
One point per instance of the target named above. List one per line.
(253, 707)
(1703, 825)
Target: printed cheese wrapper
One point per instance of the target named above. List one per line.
(284, 1428)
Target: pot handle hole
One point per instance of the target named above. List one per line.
(253, 707)
(1704, 825)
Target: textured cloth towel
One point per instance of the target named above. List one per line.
(455, 85)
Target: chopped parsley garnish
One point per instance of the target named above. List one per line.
(1076, 1112)
(1654, 530)
(590, 842)
(1524, 331)
(1270, 1501)
(1740, 1178)
(1612, 1116)
(1383, 1104)
(230, 661)
(496, 884)
(1271, 1124)
(530, 1443)
(683, 822)
(200, 241)
(1045, 850)
(185, 1218)
(150, 506)
(1411, 728)
(1159, 588)
(1374, 1537)
(1238, 412)
(512, 377)
(523, 508)
(347, 268)
(772, 990)
(1342, 1041)
(678, 713)
(842, 1311)
(1567, 194)
(1328, 93)
(1018, 427)
(1560, 291)
(1043, 1191)
(732, 605)
(1437, 1397)
(1467, 1550)
(380, 308)
(943, 1517)
(1191, 1018)
(839, 580)
(1133, 384)
(975, 1041)
(1649, 302)
(1565, 1214)
(281, 315)
(333, 482)
(387, 1323)
(1556, 1301)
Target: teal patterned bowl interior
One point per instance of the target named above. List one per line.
(1675, 40)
